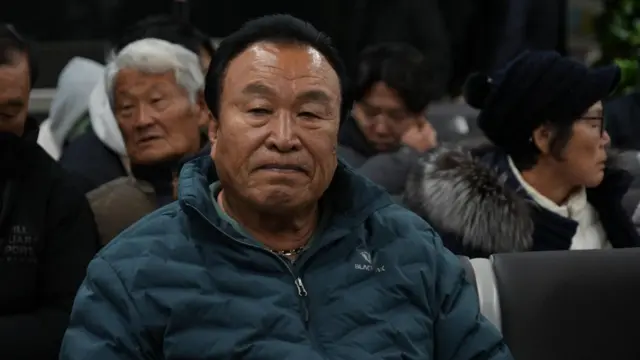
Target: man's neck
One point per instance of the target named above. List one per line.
(279, 232)
(549, 184)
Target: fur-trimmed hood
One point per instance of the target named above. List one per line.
(470, 194)
(458, 192)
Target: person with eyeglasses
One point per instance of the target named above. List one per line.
(388, 128)
(47, 231)
(546, 181)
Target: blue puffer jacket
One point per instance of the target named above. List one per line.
(182, 284)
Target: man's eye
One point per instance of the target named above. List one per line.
(308, 115)
(6, 117)
(371, 112)
(260, 111)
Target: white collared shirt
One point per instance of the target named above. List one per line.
(590, 234)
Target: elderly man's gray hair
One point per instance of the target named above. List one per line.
(157, 56)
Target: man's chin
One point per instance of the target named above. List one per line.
(154, 157)
(277, 199)
(595, 181)
(385, 147)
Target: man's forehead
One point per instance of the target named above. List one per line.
(14, 79)
(17, 68)
(286, 61)
(128, 78)
(133, 74)
(15, 58)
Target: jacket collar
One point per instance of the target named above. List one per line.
(14, 149)
(614, 185)
(362, 198)
(350, 135)
(14, 158)
(606, 199)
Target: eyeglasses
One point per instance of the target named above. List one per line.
(373, 113)
(600, 119)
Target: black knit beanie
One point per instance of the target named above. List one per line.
(535, 88)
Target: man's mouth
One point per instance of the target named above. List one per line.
(146, 138)
(282, 168)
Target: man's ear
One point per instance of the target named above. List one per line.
(357, 112)
(204, 115)
(214, 126)
(541, 138)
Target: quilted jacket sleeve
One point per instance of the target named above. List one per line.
(105, 323)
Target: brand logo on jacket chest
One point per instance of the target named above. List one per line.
(367, 264)
(19, 246)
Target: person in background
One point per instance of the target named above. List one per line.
(284, 250)
(622, 114)
(547, 182)
(100, 155)
(47, 231)
(69, 114)
(388, 129)
(156, 90)
(358, 24)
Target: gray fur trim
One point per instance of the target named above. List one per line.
(461, 196)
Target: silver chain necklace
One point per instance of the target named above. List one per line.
(291, 252)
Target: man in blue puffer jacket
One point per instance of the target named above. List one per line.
(286, 253)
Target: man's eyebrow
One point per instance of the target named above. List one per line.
(318, 96)
(257, 88)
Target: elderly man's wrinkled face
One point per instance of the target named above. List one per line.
(158, 120)
(274, 143)
(14, 94)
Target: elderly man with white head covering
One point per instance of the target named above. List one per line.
(99, 155)
(155, 90)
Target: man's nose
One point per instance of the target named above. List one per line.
(144, 117)
(606, 139)
(283, 136)
(380, 126)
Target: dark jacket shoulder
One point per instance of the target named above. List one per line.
(118, 204)
(49, 233)
(91, 161)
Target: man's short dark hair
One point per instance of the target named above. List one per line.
(280, 29)
(399, 66)
(11, 43)
(168, 28)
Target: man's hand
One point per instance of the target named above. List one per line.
(421, 137)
